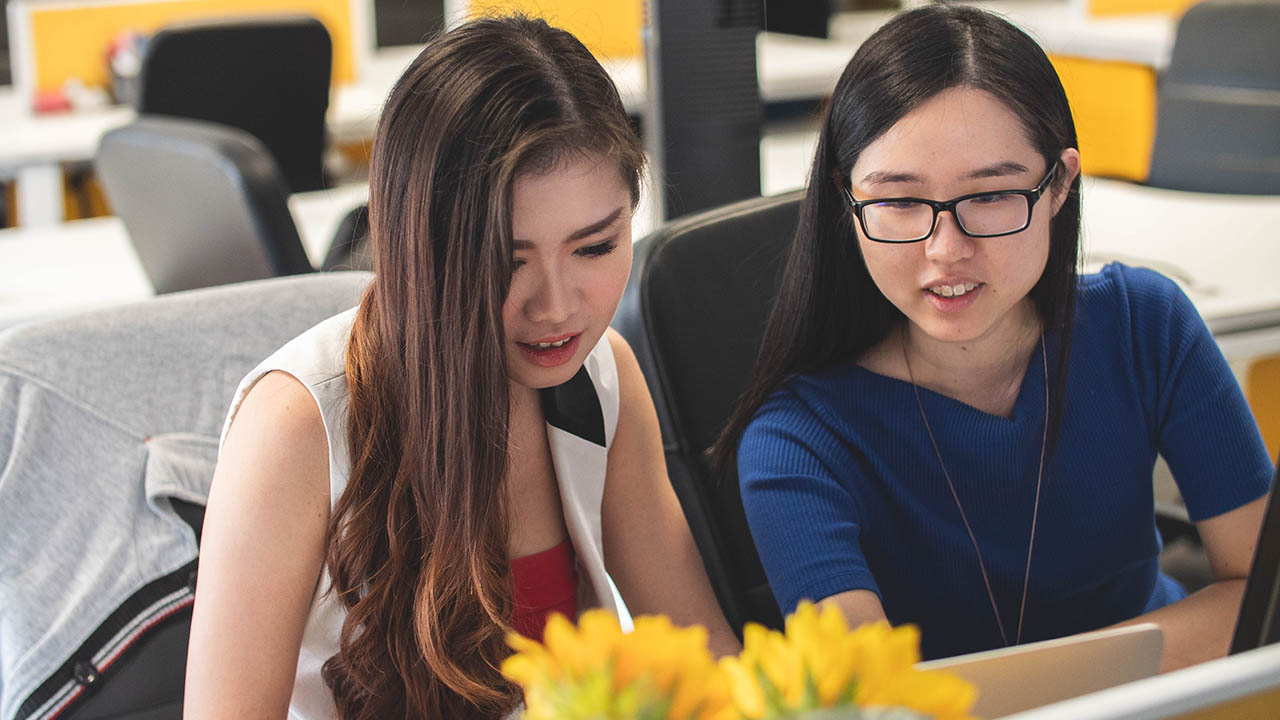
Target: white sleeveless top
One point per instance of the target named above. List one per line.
(582, 416)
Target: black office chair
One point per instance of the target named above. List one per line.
(694, 311)
(203, 203)
(349, 249)
(268, 76)
(113, 431)
(1217, 121)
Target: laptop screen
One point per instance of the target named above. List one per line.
(1258, 624)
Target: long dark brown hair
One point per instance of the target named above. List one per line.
(418, 540)
(829, 310)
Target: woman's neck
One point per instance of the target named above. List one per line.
(985, 373)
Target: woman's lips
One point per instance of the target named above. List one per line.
(544, 353)
(953, 297)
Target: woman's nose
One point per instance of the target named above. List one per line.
(552, 301)
(948, 243)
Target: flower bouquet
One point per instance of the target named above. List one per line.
(816, 669)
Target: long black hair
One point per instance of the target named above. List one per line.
(828, 308)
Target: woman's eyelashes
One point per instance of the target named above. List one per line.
(587, 251)
(599, 249)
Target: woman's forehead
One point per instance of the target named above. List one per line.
(577, 193)
(957, 132)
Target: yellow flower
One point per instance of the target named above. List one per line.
(596, 671)
(819, 663)
(662, 672)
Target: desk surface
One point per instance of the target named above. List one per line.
(1228, 275)
(87, 264)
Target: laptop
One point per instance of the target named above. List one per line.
(1023, 677)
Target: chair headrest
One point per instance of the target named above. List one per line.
(203, 203)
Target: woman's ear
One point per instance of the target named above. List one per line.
(1070, 161)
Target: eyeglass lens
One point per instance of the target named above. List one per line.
(991, 214)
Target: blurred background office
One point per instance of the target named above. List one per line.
(150, 147)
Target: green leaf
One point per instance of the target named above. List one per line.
(775, 706)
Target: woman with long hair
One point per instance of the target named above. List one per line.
(946, 425)
(471, 448)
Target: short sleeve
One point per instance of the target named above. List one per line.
(803, 519)
(1205, 429)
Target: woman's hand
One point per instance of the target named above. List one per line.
(1200, 626)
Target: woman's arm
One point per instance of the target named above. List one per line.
(260, 556)
(648, 548)
(1199, 627)
(859, 606)
(1196, 628)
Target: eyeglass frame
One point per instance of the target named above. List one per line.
(1032, 197)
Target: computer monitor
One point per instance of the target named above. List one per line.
(406, 22)
(1259, 623)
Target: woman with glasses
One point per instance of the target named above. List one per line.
(947, 426)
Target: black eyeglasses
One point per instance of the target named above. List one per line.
(979, 215)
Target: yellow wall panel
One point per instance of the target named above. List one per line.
(609, 29)
(1262, 389)
(1104, 8)
(1114, 105)
(71, 41)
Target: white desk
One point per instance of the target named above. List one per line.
(1230, 276)
(1059, 27)
(86, 264)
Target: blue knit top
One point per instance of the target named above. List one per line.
(843, 490)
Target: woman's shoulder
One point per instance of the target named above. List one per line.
(315, 359)
(1138, 311)
(280, 409)
(1136, 287)
(829, 384)
(1146, 302)
(825, 398)
(278, 444)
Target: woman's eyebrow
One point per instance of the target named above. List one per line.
(881, 177)
(1000, 169)
(586, 231)
(596, 226)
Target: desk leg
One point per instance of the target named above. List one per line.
(40, 195)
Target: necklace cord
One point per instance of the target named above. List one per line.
(955, 496)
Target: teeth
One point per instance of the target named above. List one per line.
(952, 290)
(548, 346)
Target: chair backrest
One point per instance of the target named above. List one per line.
(349, 249)
(268, 76)
(203, 203)
(109, 422)
(1218, 115)
(694, 311)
